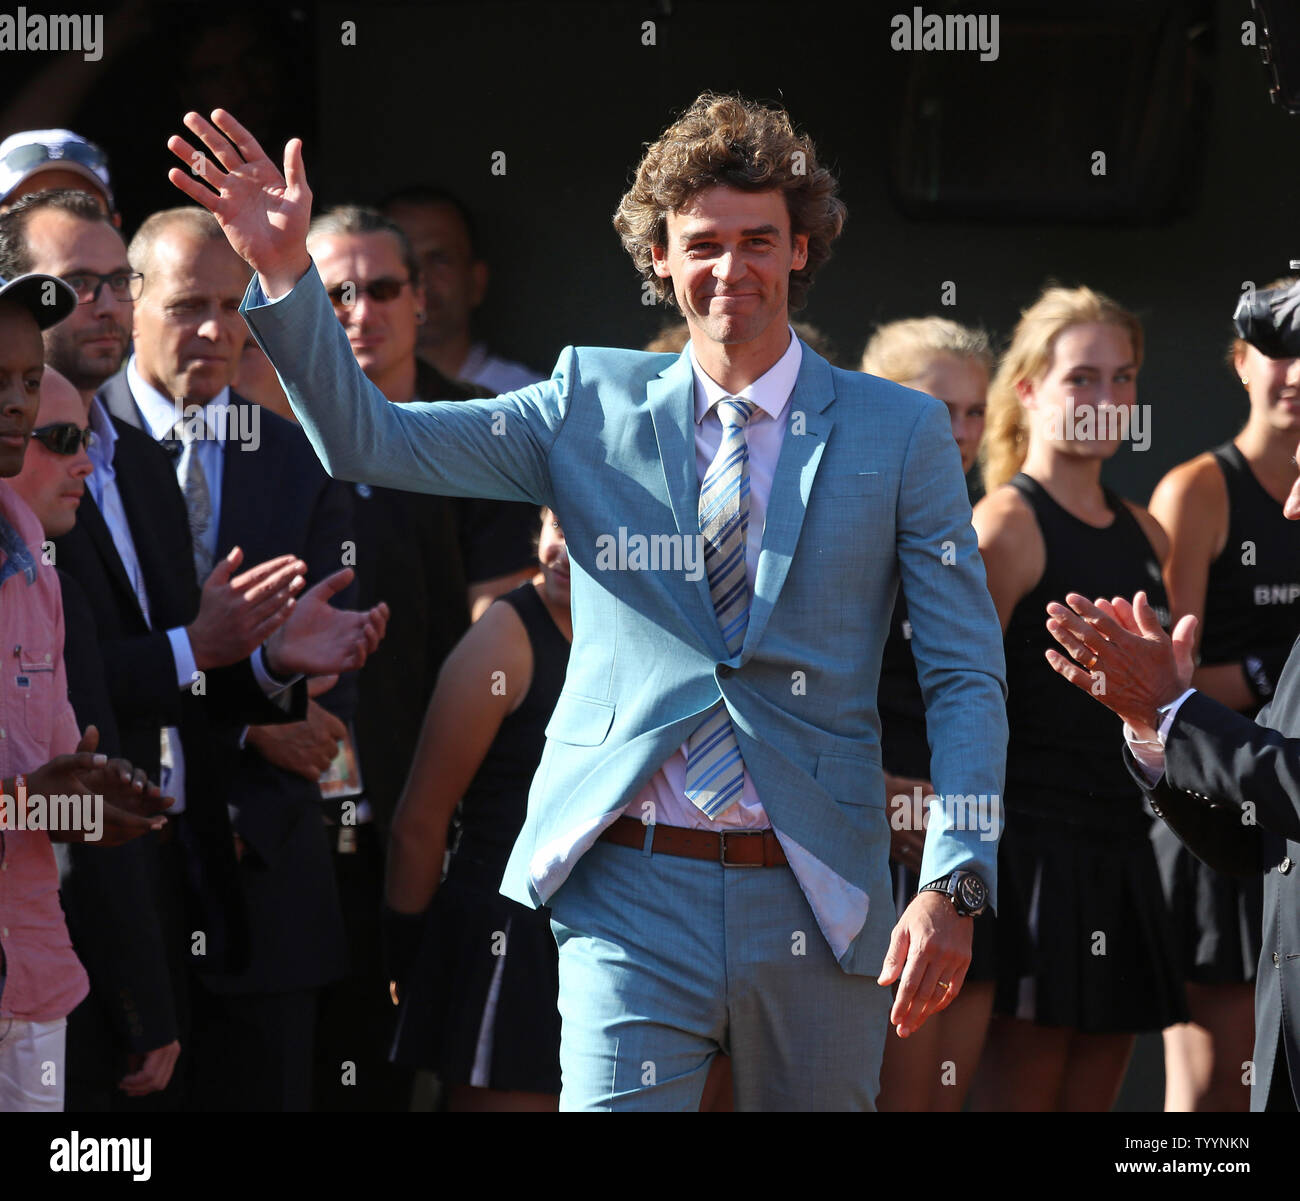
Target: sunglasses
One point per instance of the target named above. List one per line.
(381, 290)
(64, 437)
(33, 154)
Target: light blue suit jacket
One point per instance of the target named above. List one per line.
(868, 491)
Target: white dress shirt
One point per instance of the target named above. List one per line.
(492, 371)
(840, 907)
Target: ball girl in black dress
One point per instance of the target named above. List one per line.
(1235, 563)
(931, 1070)
(1083, 952)
(477, 981)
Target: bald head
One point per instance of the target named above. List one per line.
(188, 329)
(197, 224)
(53, 484)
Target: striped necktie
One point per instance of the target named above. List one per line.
(715, 772)
(198, 500)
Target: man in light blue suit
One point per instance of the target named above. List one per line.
(738, 521)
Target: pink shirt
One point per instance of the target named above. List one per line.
(44, 980)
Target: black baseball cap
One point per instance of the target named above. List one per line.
(46, 297)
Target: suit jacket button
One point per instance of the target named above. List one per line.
(1276, 959)
(1285, 865)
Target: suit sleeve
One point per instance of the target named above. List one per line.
(496, 448)
(1212, 831)
(1216, 753)
(957, 642)
(112, 913)
(267, 822)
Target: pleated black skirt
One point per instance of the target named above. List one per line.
(1082, 936)
(481, 1005)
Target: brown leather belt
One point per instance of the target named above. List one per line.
(735, 848)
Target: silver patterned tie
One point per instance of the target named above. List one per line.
(715, 771)
(198, 500)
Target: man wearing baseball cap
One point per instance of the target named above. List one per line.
(39, 159)
(41, 979)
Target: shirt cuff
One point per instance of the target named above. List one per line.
(256, 297)
(1170, 712)
(183, 656)
(276, 690)
(1148, 755)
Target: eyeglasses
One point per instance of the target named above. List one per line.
(64, 437)
(124, 285)
(382, 290)
(33, 154)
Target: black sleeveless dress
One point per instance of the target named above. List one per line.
(1082, 938)
(481, 1004)
(1252, 607)
(905, 751)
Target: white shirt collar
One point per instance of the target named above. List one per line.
(771, 392)
(159, 411)
(101, 422)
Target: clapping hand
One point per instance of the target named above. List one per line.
(320, 640)
(1122, 656)
(131, 804)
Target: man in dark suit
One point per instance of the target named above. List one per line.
(1228, 787)
(249, 479)
(135, 559)
(123, 1039)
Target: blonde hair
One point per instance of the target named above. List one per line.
(1028, 357)
(902, 350)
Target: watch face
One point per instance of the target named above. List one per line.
(972, 893)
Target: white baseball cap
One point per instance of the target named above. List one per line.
(23, 155)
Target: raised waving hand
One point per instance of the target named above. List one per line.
(263, 213)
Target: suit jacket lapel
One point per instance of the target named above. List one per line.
(117, 398)
(672, 409)
(806, 431)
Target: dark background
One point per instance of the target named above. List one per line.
(953, 169)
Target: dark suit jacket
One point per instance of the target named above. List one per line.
(276, 499)
(106, 894)
(1231, 792)
(140, 677)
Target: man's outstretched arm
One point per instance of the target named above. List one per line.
(495, 448)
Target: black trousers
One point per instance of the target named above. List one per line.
(252, 1052)
(356, 1020)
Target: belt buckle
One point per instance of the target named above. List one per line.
(722, 849)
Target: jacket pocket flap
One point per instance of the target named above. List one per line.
(580, 720)
(851, 779)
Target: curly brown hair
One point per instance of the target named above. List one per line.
(741, 144)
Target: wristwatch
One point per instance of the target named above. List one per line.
(967, 892)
